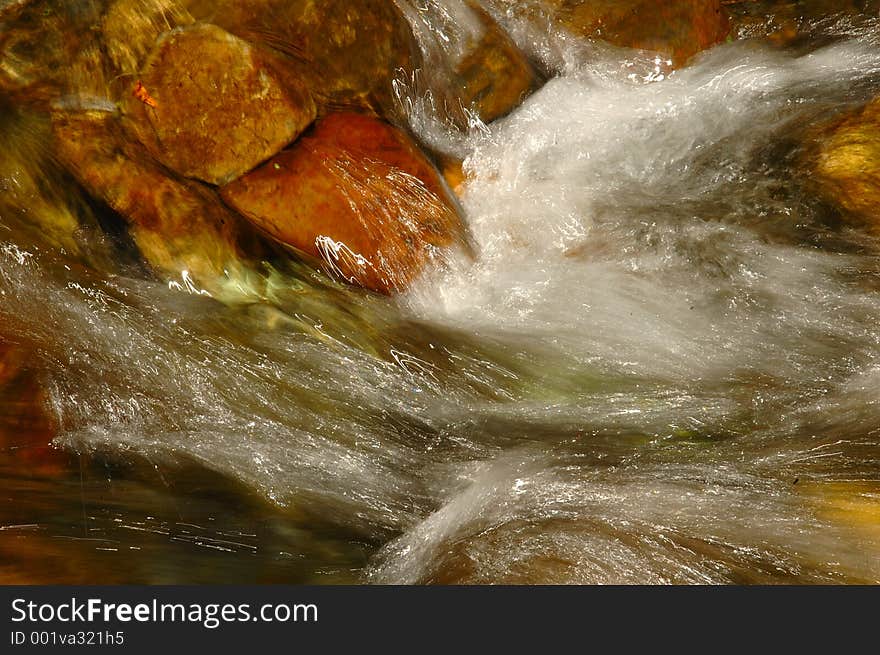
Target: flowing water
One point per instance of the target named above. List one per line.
(661, 367)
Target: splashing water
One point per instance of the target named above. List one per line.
(662, 331)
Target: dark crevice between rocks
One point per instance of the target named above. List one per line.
(115, 232)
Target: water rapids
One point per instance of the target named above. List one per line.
(661, 367)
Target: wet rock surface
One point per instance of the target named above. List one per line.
(36, 201)
(784, 21)
(38, 40)
(844, 164)
(678, 29)
(357, 193)
(349, 50)
(130, 29)
(475, 65)
(26, 427)
(639, 380)
(213, 107)
(180, 227)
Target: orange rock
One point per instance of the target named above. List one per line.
(180, 227)
(453, 173)
(358, 193)
(219, 108)
(677, 29)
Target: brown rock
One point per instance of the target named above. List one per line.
(349, 50)
(357, 193)
(26, 428)
(38, 39)
(783, 21)
(213, 108)
(677, 29)
(471, 63)
(12, 361)
(844, 163)
(181, 228)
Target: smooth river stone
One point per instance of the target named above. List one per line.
(357, 193)
(221, 107)
(468, 61)
(350, 51)
(844, 164)
(182, 229)
(677, 29)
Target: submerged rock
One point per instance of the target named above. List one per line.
(210, 107)
(677, 29)
(470, 62)
(36, 201)
(854, 504)
(26, 427)
(180, 227)
(844, 163)
(349, 50)
(783, 21)
(357, 193)
(130, 29)
(38, 39)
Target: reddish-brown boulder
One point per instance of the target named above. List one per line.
(357, 193)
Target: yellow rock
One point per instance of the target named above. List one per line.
(38, 40)
(210, 107)
(454, 174)
(851, 503)
(37, 201)
(844, 161)
(130, 29)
